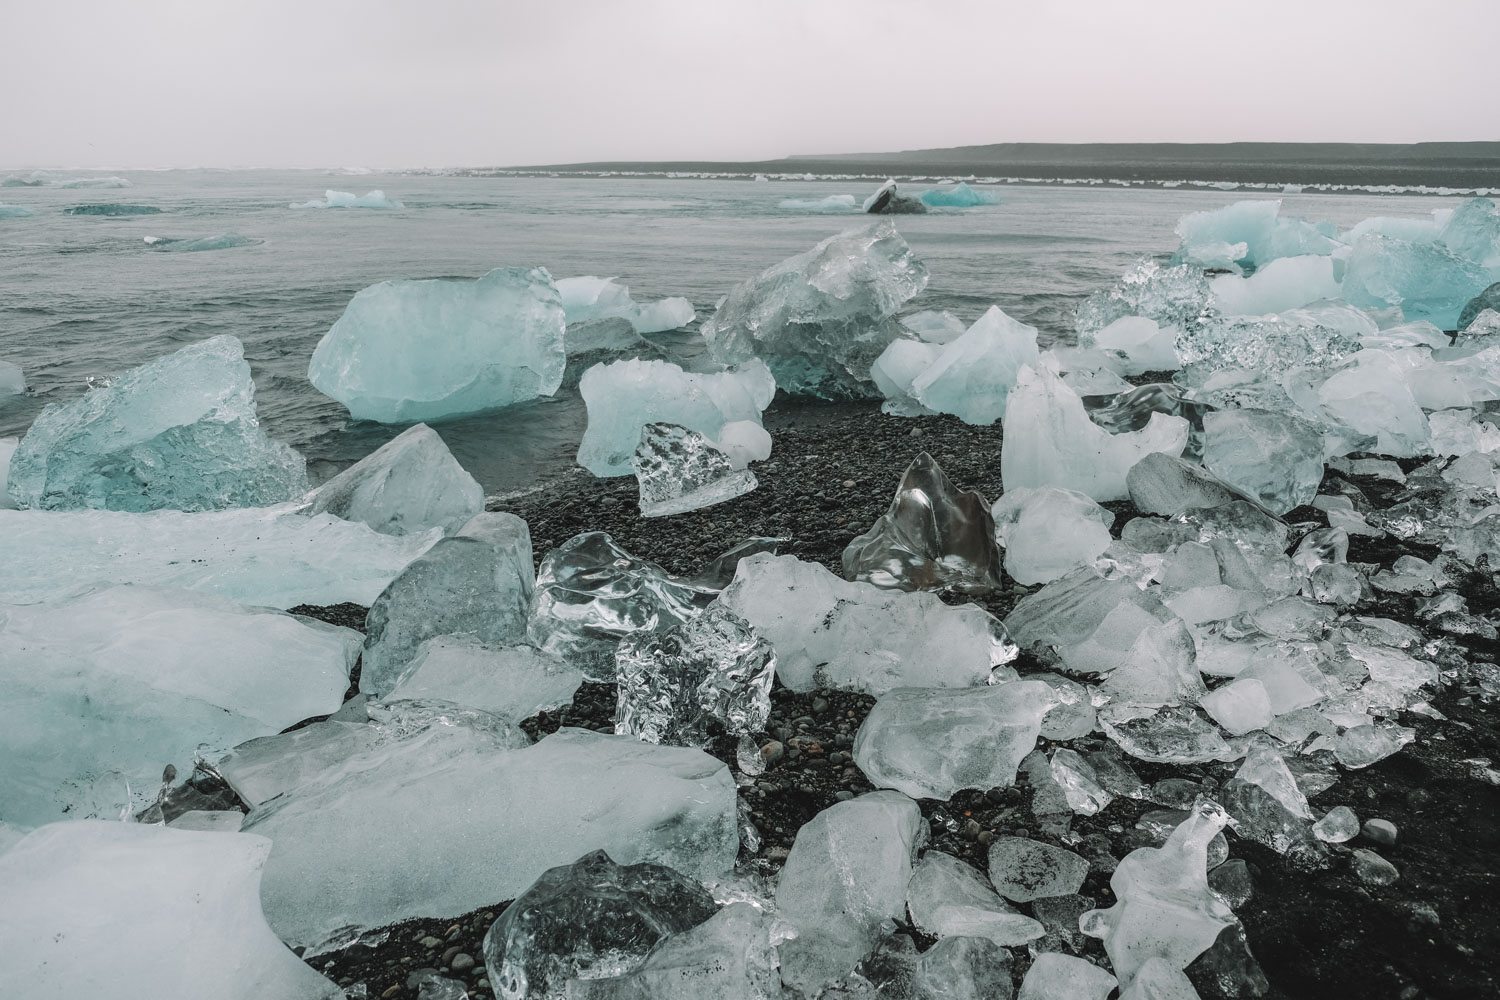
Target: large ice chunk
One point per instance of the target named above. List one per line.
(932, 536)
(821, 318)
(828, 632)
(1276, 458)
(972, 375)
(136, 912)
(1286, 283)
(1055, 976)
(481, 826)
(1425, 280)
(106, 690)
(1370, 404)
(271, 556)
(623, 397)
(946, 897)
(846, 874)
(678, 470)
(1162, 484)
(429, 349)
(1135, 345)
(1050, 441)
(1257, 226)
(479, 583)
(1026, 870)
(1473, 232)
(180, 432)
(1489, 299)
(408, 485)
(514, 682)
(1267, 346)
(1048, 532)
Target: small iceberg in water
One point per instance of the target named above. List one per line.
(112, 210)
(347, 199)
(832, 205)
(959, 195)
(38, 179)
(14, 211)
(224, 241)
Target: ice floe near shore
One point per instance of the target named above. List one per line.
(347, 199)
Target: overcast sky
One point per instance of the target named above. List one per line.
(140, 83)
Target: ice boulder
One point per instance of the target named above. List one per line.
(410, 484)
(678, 470)
(946, 897)
(347, 199)
(137, 912)
(897, 368)
(12, 380)
(430, 349)
(513, 682)
(1276, 458)
(589, 298)
(828, 632)
(1050, 441)
(960, 195)
(481, 826)
(1286, 283)
(105, 690)
(1425, 280)
(180, 432)
(972, 375)
(1048, 532)
(888, 201)
(1258, 226)
(623, 397)
(821, 318)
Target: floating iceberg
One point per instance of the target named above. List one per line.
(679, 470)
(405, 351)
(1255, 226)
(1424, 280)
(624, 396)
(888, 201)
(972, 375)
(179, 433)
(821, 318)
(588, 298)
(105, 690)
(959, 195)
(270, 556)
(410, 484)
(21, 211)
(136, 912)
(513, 682)
(1048, 532)
(482, 826)
(346, 199)
(38, 178)
(834, 204)
(224, 241)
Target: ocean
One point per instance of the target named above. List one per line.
(86, 295)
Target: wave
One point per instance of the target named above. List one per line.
(112, 210)
(224, 241)
(14, 211)
(833, 204)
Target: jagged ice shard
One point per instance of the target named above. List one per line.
(430, 349)
(972, 375)
(481, 826)
(820, 319)
(933, 536)
(105, 690)
(180, 433)
(678, 470)
(137, 912)
(623, 397)
(408, 485)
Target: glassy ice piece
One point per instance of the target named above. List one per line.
(1167, 736)
(896, 369)
(514, 682)
(624, 396)
(12, 380)
(272, 557)
(972, 375)
(187, 908)
(7, 449)
(1050, 441)
(1079, 782)
(1369, 399)
(1489, 299)
(479, 583)
(1270, 809)
(1166, 485)
(946, 897)
(106, 689)
(1164, 907)
(710, 671)
(1425, 280)
(680, 470)
(1267, 346)
(1054, 976)
(1258, 226)
(589, 298)
(1473, 232)
(523, 812)
(1373, 870)
(934, 326)
(846, 874)
(933, 742)
(1274, 457)
(1338, 825)
(1172, 296)
(178, 433)
(829, 632)
(1360, 746)
(439, 347)
(1241, 706)
(1286, 283)
(963, 968)
(408, 485)
(209, 820)
(1048, 532)
(431, 986)
(600, 341)
(593, 919)
(1023, 870)
(820, 319)
(933, 536)
(1131, 410)
(1136, 345)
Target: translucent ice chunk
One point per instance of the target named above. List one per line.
(1425, 280)
(972, 375)
(437, 348)
(821, 318)
(1473, 232)
(514, 682)
(679, 470)
(933, 536)
(1274, 457)
(1158, 979)
(1167, 736)
(592, 919)
(1172, 296)
(188, 904)
(1270, 809)
(1487, 300)
(12, 380)
(1338, 825)
(832, 633)
(1369, 398)
(1163, 484)
(1286, 283)
(934, 327)
(1258, 225)
(1055, 976)
(408, 485)
(1048, 532)
(946, 897)
(1268, 346)
(1136, 345)
(624, 396)
(589, 298)
(1023, 870)
(1240, 706)
(180, 432)
(479, 583)
(960, 195)
(7, 449)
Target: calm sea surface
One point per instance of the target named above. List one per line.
(84, 296)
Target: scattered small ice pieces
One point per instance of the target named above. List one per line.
(710, 671)
(846, 874)
(933, 742)
(946, 897)
(933, 536)
(478, 582)
(592, 919)
(1054, 976)
(1023, 870)
(588, 298)
(141, 912)
(513, 682)
(679, 470)
(1274, 457)
(179, 433)
(1338, 825)
(623, 397)
(408, 485)
(1047, 532)
(828, 632)
(1241, 706)
(1373, 870)
(347, 199)
(436, 348)
(1050, 441)
(821, 318)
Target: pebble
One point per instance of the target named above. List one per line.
(1380, 831)
(431, 943)
(461, 962)
(843, 795)
(1374, 870)
(772, 752)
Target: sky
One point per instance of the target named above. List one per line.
(402, 83)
